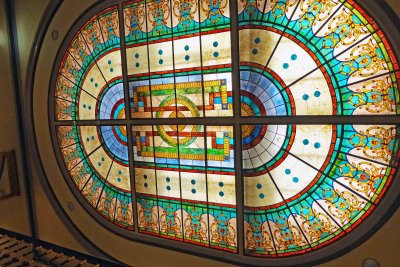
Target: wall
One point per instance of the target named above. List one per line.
(18, 219)
(395, 4)
(51, 226)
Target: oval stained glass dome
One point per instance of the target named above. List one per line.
(261, 146)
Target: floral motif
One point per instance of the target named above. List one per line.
(315, 11)
(223, 231)
(170, 222)
(147, 216)
(135, 19)
(377, 142)
(185, 10)
(158, 14)
(213, 9)
(195, 226)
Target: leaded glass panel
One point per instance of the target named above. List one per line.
(181, 120)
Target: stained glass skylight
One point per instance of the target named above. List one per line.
(167, 127)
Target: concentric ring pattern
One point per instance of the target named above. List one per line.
(304, 185)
